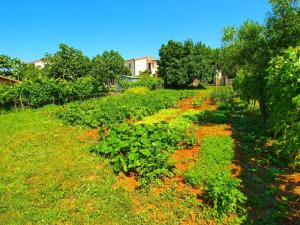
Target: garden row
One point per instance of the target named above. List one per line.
(133, 104)
(145, 148)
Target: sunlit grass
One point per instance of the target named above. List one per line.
(48, 175)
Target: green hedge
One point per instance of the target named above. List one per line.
(39, 92)
(145, 81)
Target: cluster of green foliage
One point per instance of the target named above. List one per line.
(283, 85)
(225, 95)
(39, 92)
(143, 149)
(198, 101)
(69, 63)
(265, 59)
(10, 66)
(152, 83)
(115, 109)
(212, 170)
(247, 50)
(67, 75)
(108, 68)
(181, 63)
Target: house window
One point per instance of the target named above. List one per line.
(149, 66)
(129, 65)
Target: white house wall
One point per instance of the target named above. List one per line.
(39, 64)
(131, 67)
(140, 66)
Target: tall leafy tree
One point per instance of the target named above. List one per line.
(67, 63)
(10, 66)
(181, 63)
(108, 68)
(31, 72)
(248, 49)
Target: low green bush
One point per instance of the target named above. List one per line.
(223, 94)
(198, 101)
(223, 193)
(215, 156)
(152, 83)
(143, 149)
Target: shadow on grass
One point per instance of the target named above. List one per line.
(216, 117)
(266, 203)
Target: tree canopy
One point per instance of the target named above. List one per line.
(108, 67)
(68, 63)
(181, 63)
(10, 66)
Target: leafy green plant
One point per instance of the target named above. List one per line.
(198, 101)
(42, 91)
(212, 170)
(216, 116)
(225, 94)
(215, 156)
(224, 194)
(152, 83)
(116, 109)
(284, 102)
(142, 149)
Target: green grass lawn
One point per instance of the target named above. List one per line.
(48, 175)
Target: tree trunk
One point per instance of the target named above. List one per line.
(263, 110)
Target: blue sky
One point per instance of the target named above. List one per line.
(135, 28)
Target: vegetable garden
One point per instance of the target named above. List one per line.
(80, 145)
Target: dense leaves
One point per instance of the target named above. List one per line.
(39, 92)
(145, 81)
(181, 63)
(143, 149)
(115, 109)
(212, 169)
(108, 68)
(283, 85)
(265, 73)
(68, 63)
(10, 66)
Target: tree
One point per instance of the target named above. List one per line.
(181, 63)
(108, 68)
(68, 63)
(248, 49)
(10, 66)
(31, 72)
(283, 85)
(283, 25)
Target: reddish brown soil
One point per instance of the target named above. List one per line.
(187, 104)
(91, 134)
(214, 130)
(128, 182)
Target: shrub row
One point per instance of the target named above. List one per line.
(152, 83)
(116, 109)
(39, 92)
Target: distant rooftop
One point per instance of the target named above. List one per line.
(34, 61)
(143, 57)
